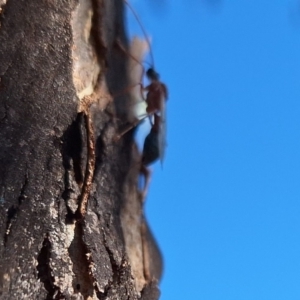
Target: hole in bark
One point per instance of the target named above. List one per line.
(72, 148)
(70, 216)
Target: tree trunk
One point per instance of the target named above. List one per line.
(72, 224)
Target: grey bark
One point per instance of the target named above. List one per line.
(59, 64)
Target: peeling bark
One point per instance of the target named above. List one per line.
(72, 224)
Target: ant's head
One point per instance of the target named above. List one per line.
(152, 75)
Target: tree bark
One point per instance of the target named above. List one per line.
(71, 215)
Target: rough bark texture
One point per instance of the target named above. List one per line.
(58, 60)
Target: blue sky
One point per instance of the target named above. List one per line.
(225, 209)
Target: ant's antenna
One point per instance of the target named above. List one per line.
(142, 27)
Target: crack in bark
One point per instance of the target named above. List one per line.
(117, 271)
(72, 148)
(14, 209)
(45, 271)
(80, 256)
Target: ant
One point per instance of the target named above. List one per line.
(156, 96)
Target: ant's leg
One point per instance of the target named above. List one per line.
(132, 125)
(119, 135)
(150, 120)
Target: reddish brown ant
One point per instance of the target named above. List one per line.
(155, 99)
(155, 105)
(154, 144)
